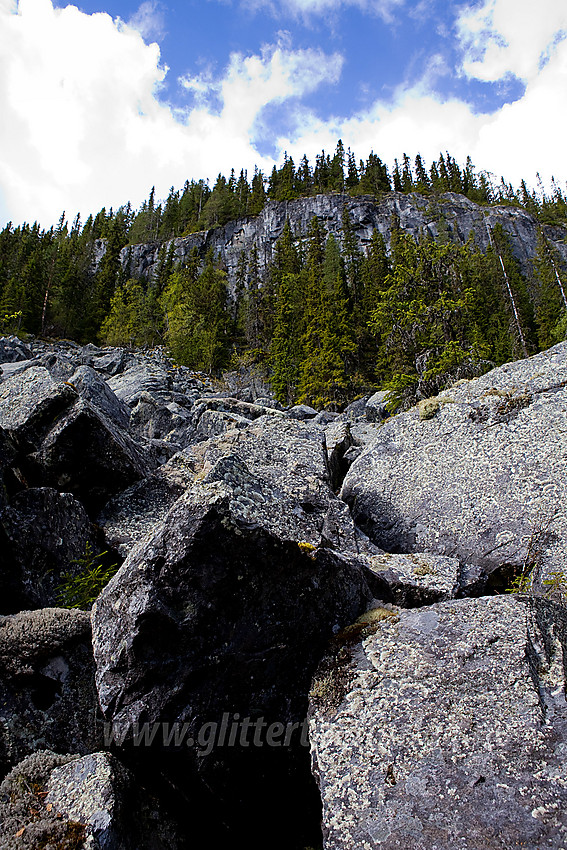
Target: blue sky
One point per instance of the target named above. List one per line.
(102, 100)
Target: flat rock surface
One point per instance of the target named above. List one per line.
(483, 477)
(444, 728)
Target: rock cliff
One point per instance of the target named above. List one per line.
(448, 216)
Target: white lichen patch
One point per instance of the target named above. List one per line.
(448, 730)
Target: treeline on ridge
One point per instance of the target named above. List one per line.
(325, 320)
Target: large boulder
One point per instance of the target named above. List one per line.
(95, 389)
(86, 454)
(73, 802)
(30, 402)
(46, 533)
(478, 473)
(208, 636)
(286, 465)
(219, 612)
(138, 511)
(146, 376)
(445, 727)
(47, 690)
(13, 350)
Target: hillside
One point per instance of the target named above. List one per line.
(326, 285)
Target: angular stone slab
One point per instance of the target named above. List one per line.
(444, 728)
(482, 478)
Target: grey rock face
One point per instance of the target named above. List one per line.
(453, 214)
(46, 530)
(444, 728)
(95, 390)
(217, 613)
(87, 455)
(47, 692)
(483, 477)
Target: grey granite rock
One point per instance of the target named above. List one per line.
(482, 477)
(445, 727)
(97, 791)
(47, 692)
(46, 531)
(13, 350)
(30, 402)
(218, 612)
(92, 387)
(136, 512)
(71, 802)
(86, 454)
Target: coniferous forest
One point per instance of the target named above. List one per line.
(326, 321)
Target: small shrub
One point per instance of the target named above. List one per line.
(79, 590)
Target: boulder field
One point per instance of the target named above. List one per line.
(303, 639)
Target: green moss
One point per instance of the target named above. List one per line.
(332, 680)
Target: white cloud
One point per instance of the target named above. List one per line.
(148, 20)
(81, 124)
(306, 8)
(503, 37)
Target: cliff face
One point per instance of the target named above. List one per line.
(446, 216)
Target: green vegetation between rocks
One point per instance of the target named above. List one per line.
(79, 589)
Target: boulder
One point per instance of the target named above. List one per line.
(301, 412)
(143, 376)
(375, 409)
(86, 454)
(59, 365)
(98, 792)
(47, 692)
(29, 404)
(482, 476)
(286, 467)
(13, 350)
(416, 579)
(46, 531)
(136, 513)
(151, 420)
(112, 361)
(95, 390)
(443, 727)
(213, 416)
(219, 612)
(93, 801)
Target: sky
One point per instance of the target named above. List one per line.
(102, 100)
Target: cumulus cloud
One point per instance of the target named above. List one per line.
(511, 37)
(82, 125)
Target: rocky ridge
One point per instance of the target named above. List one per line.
(448, 214)
(278, 567)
